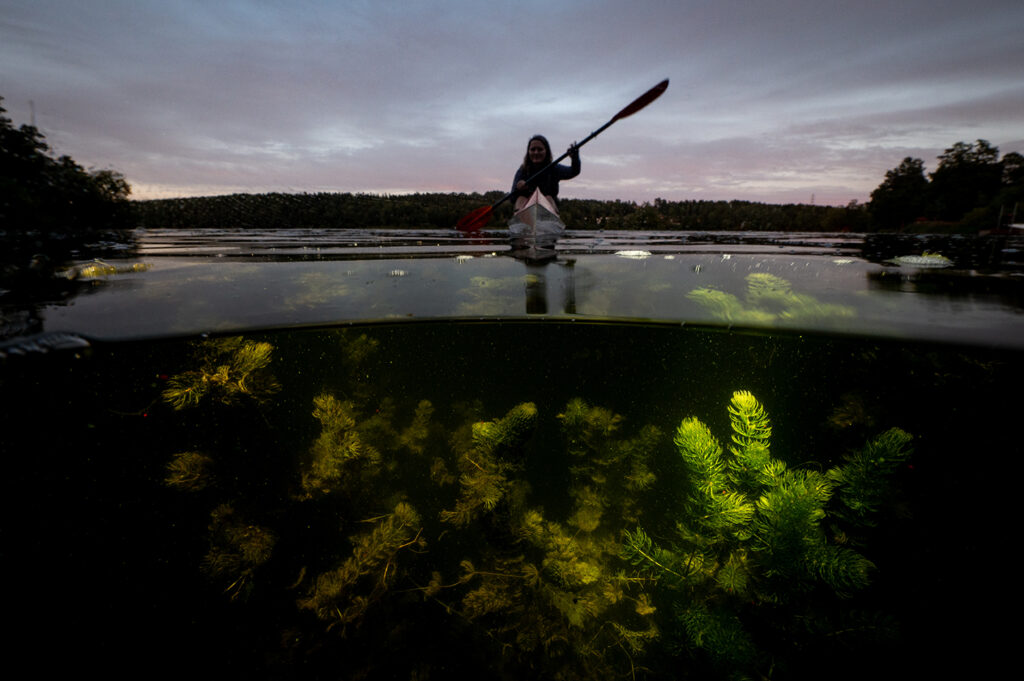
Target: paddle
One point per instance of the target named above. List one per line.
(473, 221)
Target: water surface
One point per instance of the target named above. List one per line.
(194, 281)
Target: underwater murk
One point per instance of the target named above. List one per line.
(511, 500)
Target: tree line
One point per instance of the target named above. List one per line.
(442, 211)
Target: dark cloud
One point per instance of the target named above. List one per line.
(769, 101)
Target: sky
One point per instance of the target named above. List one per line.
(777, 101)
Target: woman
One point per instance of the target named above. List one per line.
(538, 156)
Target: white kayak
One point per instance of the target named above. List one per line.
(535, 227)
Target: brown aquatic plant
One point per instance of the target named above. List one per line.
(342, 596)
(189, 471)
(340, 457)
(237, 549)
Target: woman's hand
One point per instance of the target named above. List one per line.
(520, 184)
(573, 150)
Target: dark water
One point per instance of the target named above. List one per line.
(115, 568)
(316, 502)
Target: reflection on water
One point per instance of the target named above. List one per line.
(193, 281)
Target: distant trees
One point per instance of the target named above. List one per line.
(442, 211)
(315, 211)
(903, 195)
(969, 187)
(42, 193)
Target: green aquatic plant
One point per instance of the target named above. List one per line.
(728, 307)
(751, 527)
(544, 586)
(237, 549)
(229, 369)
(501, 436)
(342, 596)
(189, 471)
(486, 454)
(865, 480)
(593, 583)
(357, 445)
(608, 472)
(562, 595)
(357, 349)
(769, 299)
(414, 436)
(340, 458)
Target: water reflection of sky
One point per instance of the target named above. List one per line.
(227, 280)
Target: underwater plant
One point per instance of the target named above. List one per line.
(414, 436)
(237, 549)
(230, 369)
(729, 561)
(483, 482)
(769, 299)
(189, 471)
(608, 473)
(349, 452)
(339, 458)
(342, 596)
(752, 530)
(545, 589)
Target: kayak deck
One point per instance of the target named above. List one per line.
(535, 227)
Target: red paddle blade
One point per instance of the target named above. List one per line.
(643, 100)
(471, 222)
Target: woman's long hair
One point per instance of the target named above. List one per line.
(547, 156)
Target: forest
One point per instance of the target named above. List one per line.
(442, 211)
(970, 190)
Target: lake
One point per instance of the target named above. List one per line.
(408, 454)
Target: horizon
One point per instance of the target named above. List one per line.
(476, 193)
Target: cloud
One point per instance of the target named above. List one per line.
(769, 101)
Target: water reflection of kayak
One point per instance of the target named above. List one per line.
(535, 228)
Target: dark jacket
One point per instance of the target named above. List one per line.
(548, 182)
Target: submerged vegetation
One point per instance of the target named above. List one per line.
(424, 513)
(757, 536)
(229, 369)
(769, 299)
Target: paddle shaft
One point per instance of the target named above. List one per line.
(637, 104)
(479, 217)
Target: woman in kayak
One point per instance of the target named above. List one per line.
(538, 156)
